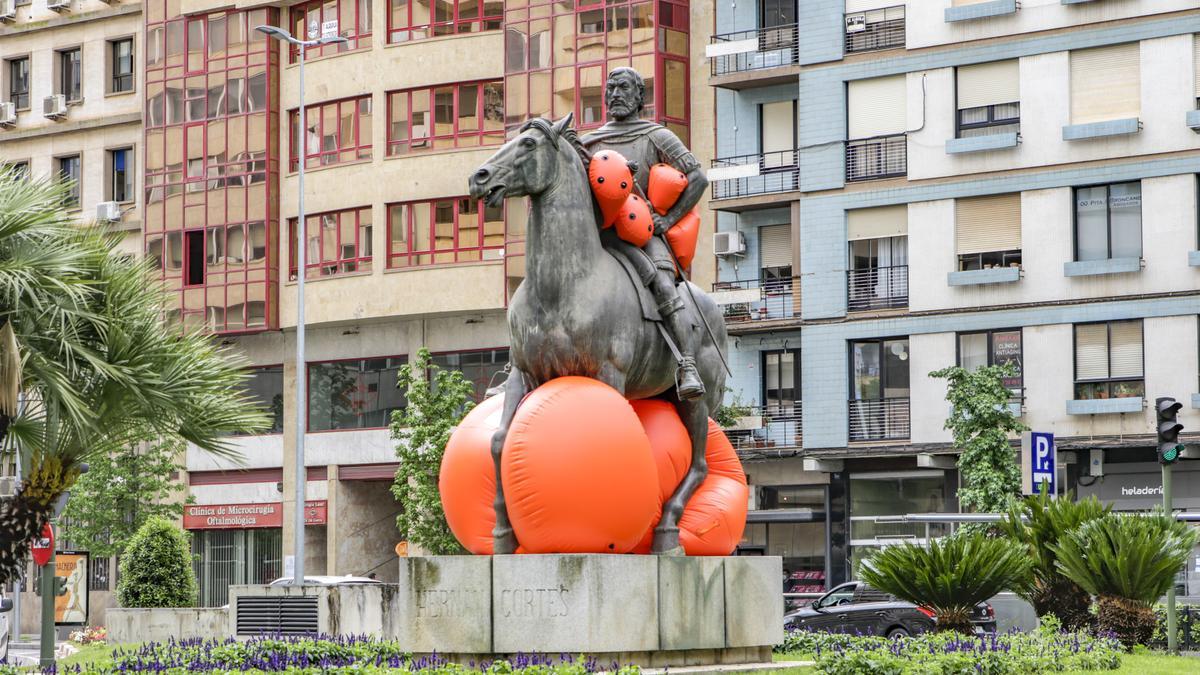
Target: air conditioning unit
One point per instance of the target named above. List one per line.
(59, 5)
(8, 114)
(729, 243)
(8, 486)
(54, 106)
(8, 10)
(108, 212)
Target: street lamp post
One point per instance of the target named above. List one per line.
(301, 241)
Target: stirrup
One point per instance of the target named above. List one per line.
(693, 392)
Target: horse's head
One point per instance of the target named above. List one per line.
(526, 165)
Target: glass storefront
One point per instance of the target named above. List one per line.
(223, 558)
(791, 524)
(892, 494)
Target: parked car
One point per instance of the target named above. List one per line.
(327, 581)
(6, 605)
(855, 607)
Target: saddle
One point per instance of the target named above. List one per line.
(617, 248)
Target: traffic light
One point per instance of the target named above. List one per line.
(1169, 447)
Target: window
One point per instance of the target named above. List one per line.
(1108, 221)
(777, 13)
(879, 387)
(70, 74)
(18, 82)
(265, 388)
(1106, 83)
(1108, 360)
(989, 99)
(122, 65)
(224, 558)
(449, 116)
(417, 19)
(876, 126)
(98, 574)
(339, 242)
(444, 231)
(987, 231)
(335, 132)
(878, 257)
(355, 394)
(781, 380)
(777, 135)
(352, 18)
(68, 170)
(480, 368)
(193, 258)
(120, 175)
(1196, 68)
(994, 348)
(870, 25)
(20, 170)
(775, 258)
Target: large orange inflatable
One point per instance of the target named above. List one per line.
(578, 472)
(715, 516)
(633, 222)
(467, 480)
(611, 181)
(664, 187)
(682, 238)
(672, 450)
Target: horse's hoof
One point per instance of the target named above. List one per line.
(504, 542)
(666, 542)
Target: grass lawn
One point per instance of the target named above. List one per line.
(92, 655)
(1131, 664)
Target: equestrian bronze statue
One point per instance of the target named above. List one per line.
(581, 309)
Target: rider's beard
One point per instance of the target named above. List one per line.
(620, 109)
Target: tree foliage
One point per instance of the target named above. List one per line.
(982, 423)
(436, 400)
(949, 576)
(119, 493)
(156, 570)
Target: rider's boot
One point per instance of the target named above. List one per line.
(689, 386)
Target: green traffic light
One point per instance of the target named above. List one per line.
(1171, 455)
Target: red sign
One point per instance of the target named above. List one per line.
(43, 546)
(245, 516)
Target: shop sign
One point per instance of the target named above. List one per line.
(70, 588)
(1038, 463)
(245, 516)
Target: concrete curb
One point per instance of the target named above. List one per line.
(732, 668)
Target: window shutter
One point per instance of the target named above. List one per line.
(775, 245)
(1106, 83)
(1125, 351)
(778, 127)
(1196, 63)
(883, 221)
(988, 224)
(989, 84)
(1091, 351)
(867, 5)
(877, 107)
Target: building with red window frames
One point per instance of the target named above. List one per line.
(397, 257)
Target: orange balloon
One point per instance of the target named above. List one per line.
(578, 472)
(467, 480)
(664, 187)
(682, 237)
(715, 516)
(722, 459)
(633, 222)
(672, 450)
(611, 181)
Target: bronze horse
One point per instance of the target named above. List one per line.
(577, 312)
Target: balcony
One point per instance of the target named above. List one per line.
(874, 288)
(885, 419)
(876, 157)
(775, 426)
(753, 175)
(754, 57)
(875, 29)
(758, 300)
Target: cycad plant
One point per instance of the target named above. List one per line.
(1128, 562)
(86, 363)
(949, 576)
(1038, 522)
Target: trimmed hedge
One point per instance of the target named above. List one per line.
(156, 568)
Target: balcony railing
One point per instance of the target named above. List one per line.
(748, 175)
(875, 29)
(771, 427)
(884, 419)
(754, 49)
(749, 300)
(877, 288)
(877, 157)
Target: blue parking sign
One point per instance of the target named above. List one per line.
(1038, 463)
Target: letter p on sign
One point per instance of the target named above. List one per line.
(1038, 463)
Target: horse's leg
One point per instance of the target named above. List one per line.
(515, 388)
(694, 414)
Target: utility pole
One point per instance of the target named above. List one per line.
(47, 639)
(1169, 449)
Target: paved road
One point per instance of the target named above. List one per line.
(23, 657)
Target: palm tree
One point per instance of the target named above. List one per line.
(1128, 562)
(1037, 522)
(86, 362)
(949, 576)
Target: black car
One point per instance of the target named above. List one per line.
(857, 608)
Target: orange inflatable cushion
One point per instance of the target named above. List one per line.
(664, 187)
(682, 237)
(634, 223)
(467, 480)
(715, 517)
(611, 181)
(672, 450)
(578, 472)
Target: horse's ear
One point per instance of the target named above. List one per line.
(564, 124)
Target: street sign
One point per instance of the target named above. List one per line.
(43, 546)
(1039, 463)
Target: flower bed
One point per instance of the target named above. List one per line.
(1045, 650)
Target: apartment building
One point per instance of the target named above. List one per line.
(903, 186)
(70, 105)
(397, 256)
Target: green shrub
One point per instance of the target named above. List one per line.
(156, 570)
